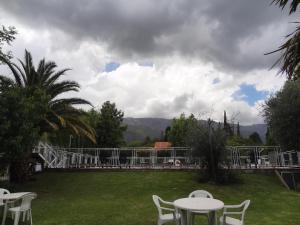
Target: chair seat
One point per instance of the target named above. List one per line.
(200, 212)
(16, 209)
(231, 221)
(169, 217)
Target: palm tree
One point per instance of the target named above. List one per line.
(62, 114)
(289, 61)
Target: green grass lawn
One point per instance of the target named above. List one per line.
(113, 198)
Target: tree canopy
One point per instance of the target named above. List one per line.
(61, 113)
(281, 112)
(109, 125)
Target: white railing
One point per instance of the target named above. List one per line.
(57, 157)
(239, 157)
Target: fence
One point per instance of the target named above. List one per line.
(58, 157)
(239, 157)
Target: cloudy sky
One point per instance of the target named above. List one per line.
(159, 58)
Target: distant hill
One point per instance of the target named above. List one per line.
(140, 128)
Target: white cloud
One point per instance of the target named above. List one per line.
(176, 83)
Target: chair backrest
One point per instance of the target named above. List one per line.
(26, 201)
(156, 201)
(246, 205)
(200, 194)
(3, 192)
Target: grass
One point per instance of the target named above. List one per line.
(112, 198)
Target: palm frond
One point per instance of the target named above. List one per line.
(282, 4)
(13, 70)
(289, 61)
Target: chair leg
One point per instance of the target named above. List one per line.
(17, 217)
(24, 215)
(30, 216)
(4, 214)
(159, 222)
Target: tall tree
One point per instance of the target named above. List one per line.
(62, 113)
(109, 127)
(227, 126)
(238, 132)
(167, 133)
(281, 112)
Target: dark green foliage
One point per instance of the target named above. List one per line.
(181, 127)
(62, 113)
(7, 35)
(282, 115)
(167, 133)
(227, 127)
(109, 126)
(210, 145)
(21, 113)
(238, 132)
(270, 141)
(255, 138)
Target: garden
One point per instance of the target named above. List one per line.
(92, 198)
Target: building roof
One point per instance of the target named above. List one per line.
(159, 145)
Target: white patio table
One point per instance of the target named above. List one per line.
(10, 197)
(185, 206)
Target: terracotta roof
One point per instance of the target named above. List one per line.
(162, 145)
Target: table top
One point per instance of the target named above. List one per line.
(13, 196)
(199, 204)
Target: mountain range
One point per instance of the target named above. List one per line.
(139, 128)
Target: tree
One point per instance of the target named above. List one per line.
(7, 35)
(269, 138)
(180, 129)
(238, 132)
(209, 144)
(62, 113)
(281, 112)
(255, 138)
(167, 133)
(290, 58)
(227, 128)
(109, 127)
(21, 112)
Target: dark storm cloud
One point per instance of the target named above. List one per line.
(216, 31)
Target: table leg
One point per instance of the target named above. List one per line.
(212, 218)
(184, 214)
(4, 214)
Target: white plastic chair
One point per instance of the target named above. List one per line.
(227, 220)
(200, 194)
(3, 192)
(2, 203)
(168, 217)
(24, 208)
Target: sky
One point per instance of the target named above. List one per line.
(159, 58)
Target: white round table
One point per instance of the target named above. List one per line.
(185, 205)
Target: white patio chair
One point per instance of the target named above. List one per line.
(24, 208)
(227, 220)
(2, 203)
(200, 194)
(168, 217)
(3, 192)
